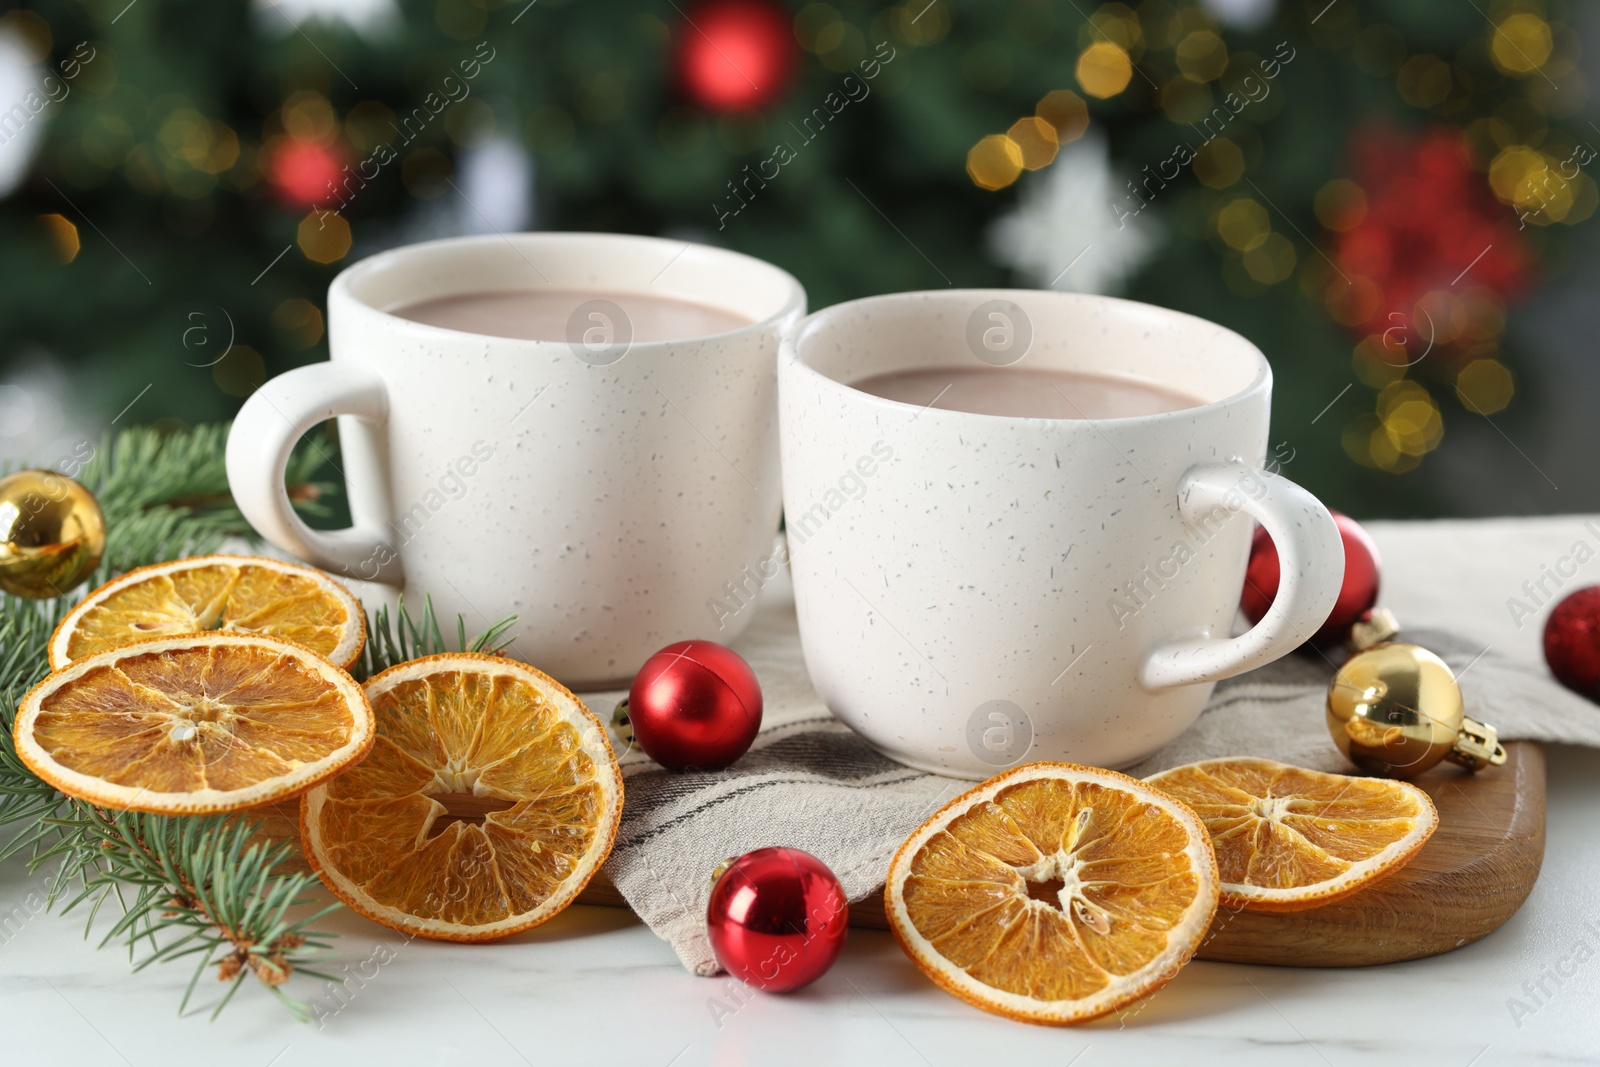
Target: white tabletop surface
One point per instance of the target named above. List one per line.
(595, 986)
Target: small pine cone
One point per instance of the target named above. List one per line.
(229, 966)
(271, 970)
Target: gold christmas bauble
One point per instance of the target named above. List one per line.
(1395, 709)
(52, 534)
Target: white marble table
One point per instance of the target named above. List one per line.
(594, 986)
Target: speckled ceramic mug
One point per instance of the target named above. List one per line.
(976, 590)
(593, 488)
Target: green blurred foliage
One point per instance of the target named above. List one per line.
(174, 258)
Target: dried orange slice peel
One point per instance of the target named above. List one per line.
(193, 725)
(489, 800)
(1053, 893)
(233, 594)
(1288, 838)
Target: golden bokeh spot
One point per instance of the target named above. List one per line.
(1484, 386)
(1357, 439)
(185, 136)
(368, 125)
(1511, 168)
(1202, 56)
(917, 22)
(1341, 204)
(1104, 70)
(1271, 261)
(1524, 177)
(1036, 139)
(818, 27)
(63, 236)
(1584, 199)
(994, 162)
(1066, 111)
(1243, 224)
(1184, 21)
(141, 171)
(240, 371)
(1425, 81)
(1479, 315)
(1433, 320)
(1116, 23)
(300, 319)
(1354, 302)
(224, 149)
(324, 237)
(307, 116)
(1184, 101)
(1219, 163)
(1376, 361)
(470, 122)
(850, 49)
(1369, 444)
(1521, 44)
(1410, 418)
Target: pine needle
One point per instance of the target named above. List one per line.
(211, 888)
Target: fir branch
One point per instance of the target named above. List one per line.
(214, 888)
(394, 640)
(25, 628)
(206, 887)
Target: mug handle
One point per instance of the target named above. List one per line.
(263, 435)
(1311, 566)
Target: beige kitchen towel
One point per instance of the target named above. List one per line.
(810, 783)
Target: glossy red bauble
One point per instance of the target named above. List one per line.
(1356, 596)
(1572, 641)
(777, 919)
(735, 54)
(695, 705)
(304, 173)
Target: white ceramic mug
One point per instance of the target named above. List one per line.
(976, 590)
(595, 489)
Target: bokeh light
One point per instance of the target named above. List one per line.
(994, 162)
(1104, 70)
(1036, 140)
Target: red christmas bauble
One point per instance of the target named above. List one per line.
(735, 54)
(777, 919)
(304, 171)
(1572, 641)
(1356, 596)
(695, 705)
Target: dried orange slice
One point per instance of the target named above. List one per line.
(234, 594)
(1287, 838)
(490, 799)
(193, 725)
(1053, 893)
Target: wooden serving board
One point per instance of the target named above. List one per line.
(1471, 876)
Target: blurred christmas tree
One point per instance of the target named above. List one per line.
(1362, 189)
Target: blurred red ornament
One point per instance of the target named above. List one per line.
(304, 171)
(695, 705)
(1356, 596)
(1431, 221)
(777, 919)
(735, 54)
(1572, 641)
